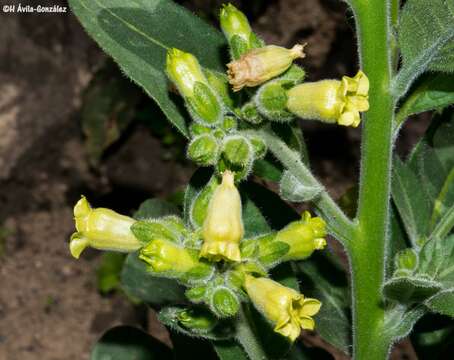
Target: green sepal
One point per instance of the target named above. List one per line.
(203, 150)
(237, 155)
(255, 42)
(238, 46)
(229, 123)
(259, 146)
(249, 249)
(197, 129)
(196, 294)
(223, 302)
(406, 261)
(170, 228)
(204, 105)
(199, 207)
(272, 252)
(250, 113)
(293, 76)
(271, 101)
(220, 84)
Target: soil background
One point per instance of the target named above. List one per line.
(50, 306)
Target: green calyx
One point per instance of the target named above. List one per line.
(204, 149)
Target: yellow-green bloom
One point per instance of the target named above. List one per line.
(234, 22)
(222, 229)
(102, 229)
(184, 70)
(288, 310)
(165, 256)
(331, 101)
(303, 237)
(260, 65)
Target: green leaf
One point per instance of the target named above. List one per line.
(432, 92)
(109, 270)
(400, 320)
(148, 288)
(108, 107)
(442, 303)
(410, 289)
(129, 343)
(155, 208)
(426, 33)
(413, 205)
(328, 285)
(137, 35)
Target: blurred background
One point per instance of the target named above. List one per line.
(71, 124)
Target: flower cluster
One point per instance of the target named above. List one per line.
(261, 84)
(219, 267)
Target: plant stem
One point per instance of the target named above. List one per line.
(339, 224)
(368, 252)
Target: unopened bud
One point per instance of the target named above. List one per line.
(259, 147)
(271, 102)
(224, 302)
(250, 113)
(285, 308)
(203, 149)
(186, 73)
(196, 294)
(223, 225)
(102, 229)
(198, 129)
(197, 319)
(229, 123)
(406, 261)
(237, 154)
(331, 101)
(260, 65)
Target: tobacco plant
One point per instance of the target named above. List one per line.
(239, 271)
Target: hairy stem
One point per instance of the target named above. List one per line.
(368, 251)
(339, 224)
(247, 338)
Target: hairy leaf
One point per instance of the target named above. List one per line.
(137, 35)
(433, 92)
(442, 303)
(153, 290)
(426, 33)
(126, 342)
(410, 289)
(154, 208)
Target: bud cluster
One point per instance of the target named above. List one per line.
(211, 258)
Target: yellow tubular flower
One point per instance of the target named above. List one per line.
(331, 101)
(303, 237)
(288, 310)
(260, 65)
(102, 229)
(222, 229)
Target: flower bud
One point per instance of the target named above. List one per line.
(223, 226)
(172, 260)
(224, 302)
(234, 22)
(197, 319)
(260, 65)
(250, 113)
(102, 229)
(197, 129)
(229, 123)
(303, 237)
(288, 310)
(406, 261)
(196, 294)
(259, 147)
(237, 151)
(331, 101)
(203, 149)
(186, 73)
(271, 101)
